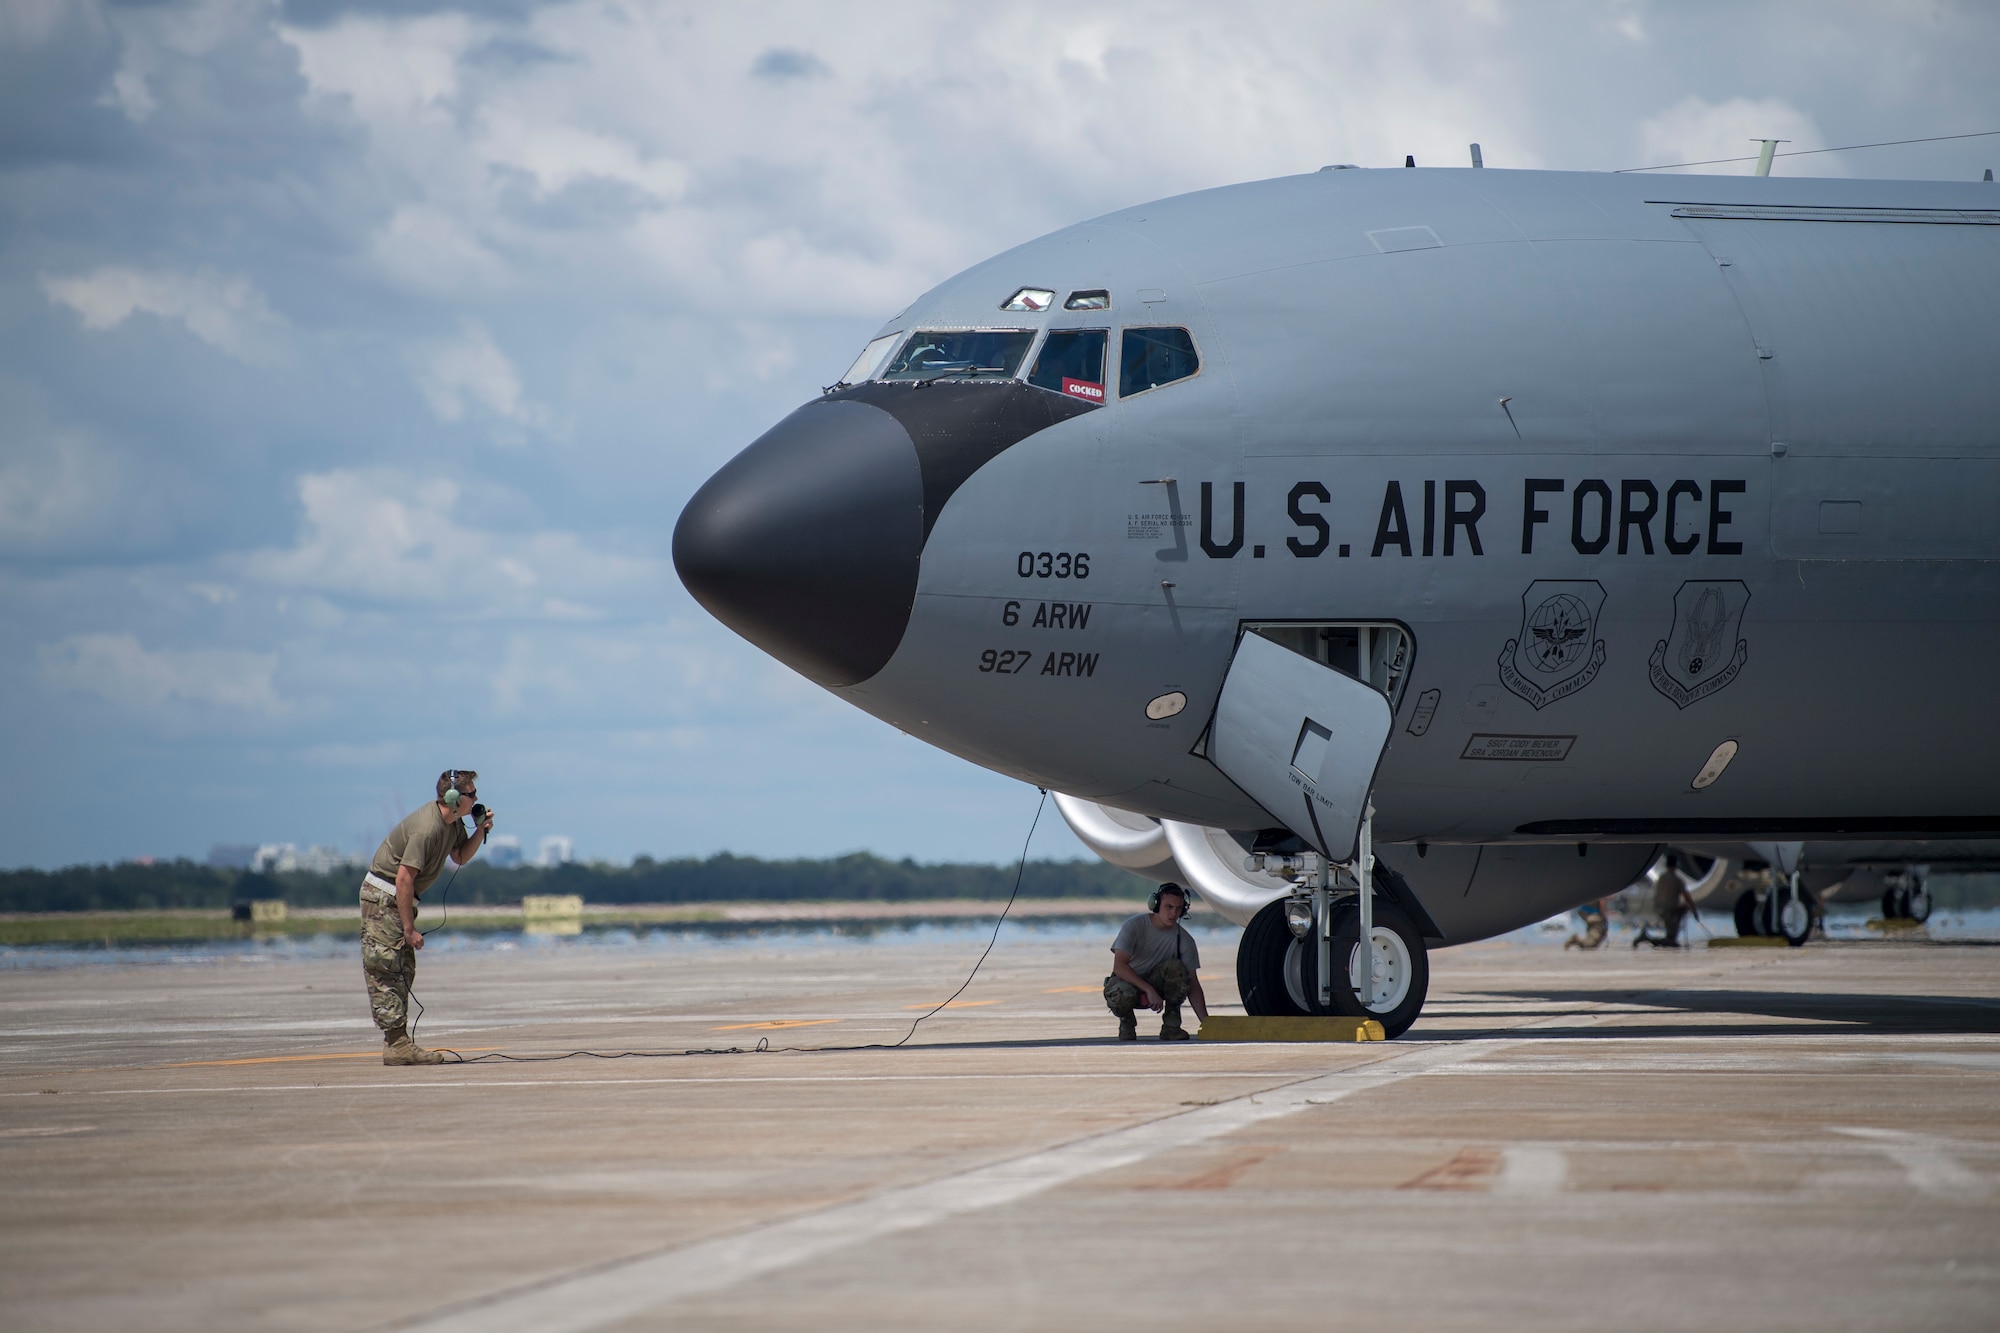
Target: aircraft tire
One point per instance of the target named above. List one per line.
(1408, 970)
(1788, 912)
(1917, 903)
(1260, 964)
(1895, 904)
(1746, 915)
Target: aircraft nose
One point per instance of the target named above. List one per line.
(807, 543)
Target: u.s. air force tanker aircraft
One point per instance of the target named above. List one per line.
(1559, 520)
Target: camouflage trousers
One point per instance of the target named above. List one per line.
(388, 965)
(1594, 929)
(1170, 979)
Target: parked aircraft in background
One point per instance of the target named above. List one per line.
(1561, 519)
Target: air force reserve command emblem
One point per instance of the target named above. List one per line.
(1696, 658)
(1558, 651)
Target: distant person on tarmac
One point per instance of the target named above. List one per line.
(1671, 904)
(1154, 961)
(1595, 923)
(409, 861)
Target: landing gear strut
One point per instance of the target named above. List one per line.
(1788, 910)
(1280, 971)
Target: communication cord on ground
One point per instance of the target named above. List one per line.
(444, 905)
(763, 1046)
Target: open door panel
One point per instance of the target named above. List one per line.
(1303, 739)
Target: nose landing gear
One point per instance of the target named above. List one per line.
(1278, 973)
(1334, 949)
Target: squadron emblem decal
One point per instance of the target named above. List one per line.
(1694, 660)
(1558, 651)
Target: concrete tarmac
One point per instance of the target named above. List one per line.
(1747, 1138)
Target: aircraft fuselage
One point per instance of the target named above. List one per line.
(1640, 466)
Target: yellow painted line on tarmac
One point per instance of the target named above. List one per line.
(291, 1059)
(955, 1004)
(776, 1023)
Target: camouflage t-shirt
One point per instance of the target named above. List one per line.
(421, 842)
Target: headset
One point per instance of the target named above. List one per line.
(451, 798)
(1153, 903)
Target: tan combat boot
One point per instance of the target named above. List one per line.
(402, 1051)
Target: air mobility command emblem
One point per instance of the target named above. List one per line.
(1695, 659)
(1557, 652)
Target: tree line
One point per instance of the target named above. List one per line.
(131, 886)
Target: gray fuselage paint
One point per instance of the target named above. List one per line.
(1755, 452)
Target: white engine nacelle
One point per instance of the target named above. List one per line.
(1470, 892)
(1206, 860)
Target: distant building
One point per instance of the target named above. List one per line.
(231, 855)
(556, 851)
(284, 858)
(503, 850)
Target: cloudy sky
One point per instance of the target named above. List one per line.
(356, 359)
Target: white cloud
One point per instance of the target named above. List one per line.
(66, 492)
(227, 313)
(118, 668)
(384, 68)
(558, 156)
(130, 94)
(53, 483)
(842, 173)
(27, 24)
(756, 354)
(471, 372)
(693, 672)
(430, 250)
(390, 535)
(1694, 130)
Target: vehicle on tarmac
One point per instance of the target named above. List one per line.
(1405, 556)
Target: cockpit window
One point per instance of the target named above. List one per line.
(1098, 300)
(1072, 363)
(1152, 357)
(1034, 300)
(869, 364)
(929, 354)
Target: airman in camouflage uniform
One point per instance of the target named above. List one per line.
(1596, 924)
(1154, 961)
(1672, 905)
(409, 861)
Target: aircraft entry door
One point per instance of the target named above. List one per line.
(1303, 739)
